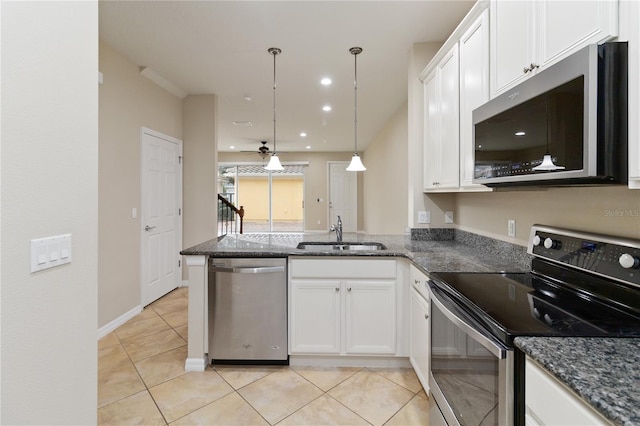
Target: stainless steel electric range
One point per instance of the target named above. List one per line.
(580, 284)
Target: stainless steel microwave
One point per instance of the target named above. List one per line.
(567, 125)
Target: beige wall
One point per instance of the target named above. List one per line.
(607, 210)
(128, 101)
(49, 174)
(315, 182)
(199, 187)
(385, 181)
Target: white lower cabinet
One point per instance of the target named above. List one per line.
(549, 402)
(342, 307)
(419, 350)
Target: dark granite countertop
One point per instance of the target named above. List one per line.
(603, 371)
(430, 256)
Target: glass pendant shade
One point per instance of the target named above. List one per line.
(274, 163)
(356, 164)
(547, 164)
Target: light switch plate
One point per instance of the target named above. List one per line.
(50, 252)
(448, 217)
(511, 228)
(424, 216)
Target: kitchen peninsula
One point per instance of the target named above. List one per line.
(431, 251)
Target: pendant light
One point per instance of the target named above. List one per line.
(547, 164)
(274, 162)
(356, 163)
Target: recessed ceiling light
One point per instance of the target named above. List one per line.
(248, 98)
(325, 81)
(326, 108)
(308, 146)
(232, 147)
(303, 134)
(520, 133)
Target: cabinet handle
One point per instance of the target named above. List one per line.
(337, 288)
(526, 70)
(348, 288)
(416, 281)
(426, 316)
(534, 66)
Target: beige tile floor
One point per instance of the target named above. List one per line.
(141, 380)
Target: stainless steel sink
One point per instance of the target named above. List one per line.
(342, 246)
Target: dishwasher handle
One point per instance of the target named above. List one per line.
(247, 269)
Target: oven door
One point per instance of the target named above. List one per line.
(471, 377)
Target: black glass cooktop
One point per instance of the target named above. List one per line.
(526, 304)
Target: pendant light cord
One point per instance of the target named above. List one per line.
(355, 51)
(274, 51)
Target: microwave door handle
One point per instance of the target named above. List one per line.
(247, 270)
(488, 343)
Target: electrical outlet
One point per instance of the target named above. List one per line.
(448, 217)
(511, 228)
(424, 216)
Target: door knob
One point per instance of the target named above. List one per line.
(148, 228)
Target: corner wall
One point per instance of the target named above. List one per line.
(385, 202)
(199, 187)
(49, 177)
(128, 101)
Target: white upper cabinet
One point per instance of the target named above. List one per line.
(528, 36)
(456, 81)
(474, 91)
(441, 124)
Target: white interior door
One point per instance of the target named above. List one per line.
(343, 196)
(161, 215)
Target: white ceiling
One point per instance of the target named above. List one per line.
(220, 47)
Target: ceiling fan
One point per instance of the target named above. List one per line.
(263, 151)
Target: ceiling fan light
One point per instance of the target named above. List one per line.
(274, 163)
(356, 164)
(547, 164)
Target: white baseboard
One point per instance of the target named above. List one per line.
(184, 283)
(195, 364)
(349, 361)
(108, 328)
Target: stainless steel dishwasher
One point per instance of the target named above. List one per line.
(248, 311)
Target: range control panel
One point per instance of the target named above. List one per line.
(611, 257)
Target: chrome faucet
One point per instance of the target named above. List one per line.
(338, 228)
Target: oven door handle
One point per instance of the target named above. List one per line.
(462, 320)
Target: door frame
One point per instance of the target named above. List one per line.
(179, 202)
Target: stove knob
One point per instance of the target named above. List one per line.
(552, 244)
(548, 319)
(536, 240)
(628, 261)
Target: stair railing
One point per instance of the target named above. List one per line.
(230, 218)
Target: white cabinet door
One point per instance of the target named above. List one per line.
(528, 36)
(420, 343)
(474, 91)
(370, 317)
(441, 127)
(566, 26)
(512, 42)
(450, 119)
(431, 130)
(549, 402)
(315, 316)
